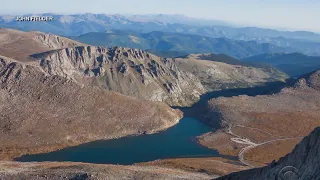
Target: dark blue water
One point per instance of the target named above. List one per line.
(177, 141)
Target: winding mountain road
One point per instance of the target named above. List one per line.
(241, 140)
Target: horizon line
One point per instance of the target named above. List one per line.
(228, 24)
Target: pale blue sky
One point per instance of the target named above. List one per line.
(284, 14)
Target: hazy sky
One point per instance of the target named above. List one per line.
(284, 14)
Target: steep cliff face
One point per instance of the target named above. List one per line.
(40, 112)
(302, 163)
(128, 71)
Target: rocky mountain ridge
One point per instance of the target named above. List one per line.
(134, 72)
(163, 43)
(20, 45)
(41, 112)
(128, 71)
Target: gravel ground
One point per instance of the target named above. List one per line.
(79, 171)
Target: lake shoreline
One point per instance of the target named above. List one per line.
(178, 142)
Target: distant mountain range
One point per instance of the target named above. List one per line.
(177, 44)
(304, 46)
(293, 64)
(78, 24)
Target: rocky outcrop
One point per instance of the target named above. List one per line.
(128, 71)
(302, 163)
(41, 112)
(133, 72)
(312, 80)
(52, 41)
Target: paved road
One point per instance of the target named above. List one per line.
(246, 141)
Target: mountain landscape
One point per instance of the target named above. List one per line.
(221, 72)
(157, 96)
(128, 71)
(20, 45)
(309, 47)
(80, 24)
(133, 72)
(159, 42)
(256, 128)
(35, 104)
(77, 24)
(301, 163)
(294, 64)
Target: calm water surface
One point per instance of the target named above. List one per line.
(177, 141)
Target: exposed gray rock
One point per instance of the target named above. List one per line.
(128, 71)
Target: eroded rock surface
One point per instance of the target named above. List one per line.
(128, 71)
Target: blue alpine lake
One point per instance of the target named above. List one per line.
(175, 142)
